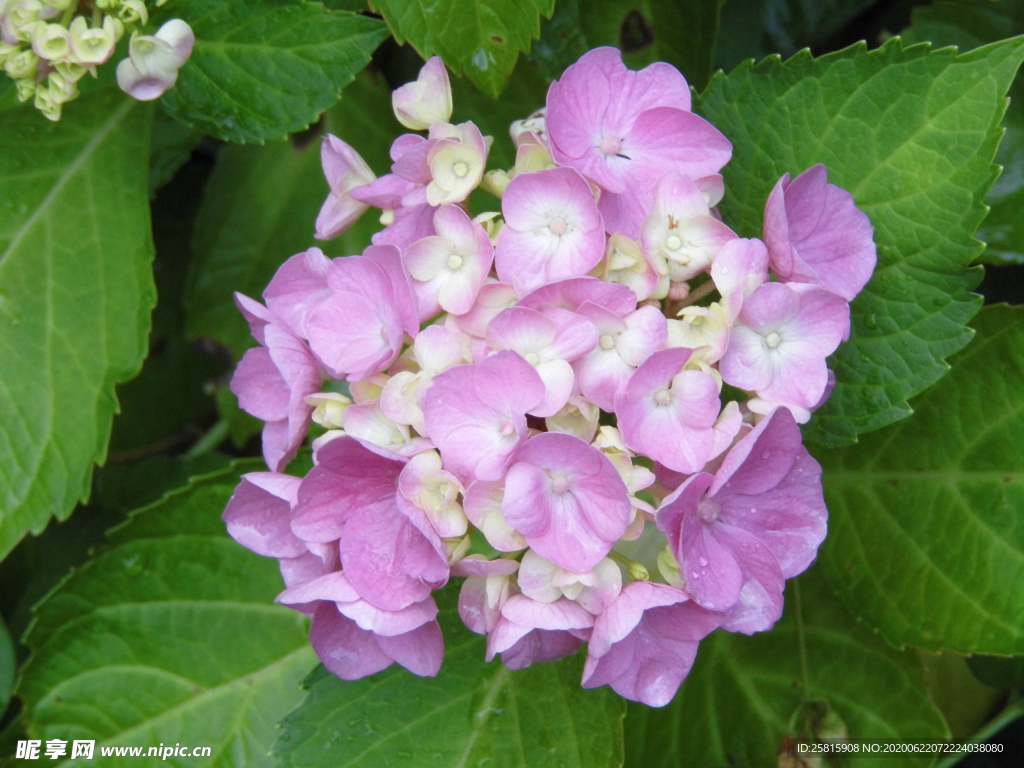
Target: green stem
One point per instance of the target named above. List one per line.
(213, 437)
(696, 295)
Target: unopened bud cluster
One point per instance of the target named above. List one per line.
(48, 46)
(532, 399)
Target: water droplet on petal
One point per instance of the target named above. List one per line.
(703, 561)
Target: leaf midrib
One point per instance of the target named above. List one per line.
(91, 146)
(208, 693)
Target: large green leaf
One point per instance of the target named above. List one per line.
(926, 537)
(261, 69)
(471, 714)
(479, 38)
(75, 296)
(260, 207)
(912, 134)
(681, 33)
(744, 694)
(170, 635)
(969, 24)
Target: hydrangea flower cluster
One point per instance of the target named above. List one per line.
(532, 399)
(47, 46)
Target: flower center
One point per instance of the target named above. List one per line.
(507, 428)
(673, 243)
(772, 340)
(461, 169)
(611, 144)
(558, 226)
(607, 342)
(560, 484)
(454, 262)
(532, 358)
(663, 396)
(708, 511)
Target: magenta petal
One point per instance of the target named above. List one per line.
(261, 521)
(350, 474)
(540, 646)
(571, 293)
(816, 234)
(420, 651)
(346, 650)
(567, 498)
(298, 285)
(759, 603)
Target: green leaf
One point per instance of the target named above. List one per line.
(261, 69)
(681, 33)
(744, 694)
(260, 206)
(925, 531)
(479, 38)
(759, 28)
(969, 25)
(472, 714)
(75, 296)
(170, 635)
(911, 133)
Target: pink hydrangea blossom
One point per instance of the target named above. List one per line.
(258, 515)
(680, 231)
(476, 414)
(552, 230)
(626, 129)
(816, 234)
(545, 581)
(449, 268)
(546, 379)
(390, 558)
(623, 344)
(571, 293)
(644, 644)
(272, 382)
(567, 499)
(483, 508)
(435, 350)
(738, 534)
(359, 328)
(785, 332)
(667, 412)
(351, 652)
(297, 287)
(345, 170)
(529, 631)
(549, 341)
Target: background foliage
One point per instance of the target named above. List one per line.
(136, 620)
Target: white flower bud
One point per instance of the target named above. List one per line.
(47, 104)
(90, 47)
(427, 100)
(21, 65)
(26, 89)
(154, 61)
(50, 41)
(133, 12)
(61, 90)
